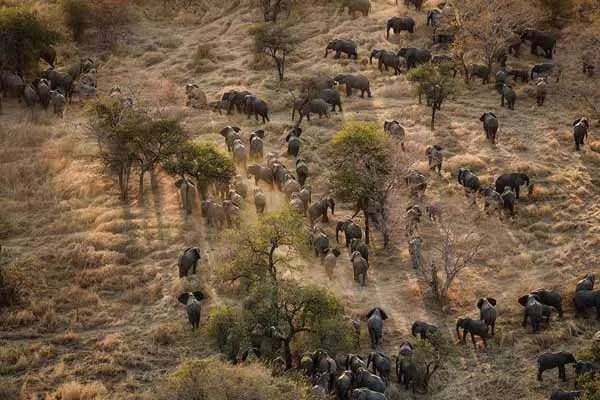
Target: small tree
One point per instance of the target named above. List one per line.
(23, 35)
(204, 162)
(77, 15)
(557, 9)
(274, 40)
(272, 8)
(435, 82)
(363, 172)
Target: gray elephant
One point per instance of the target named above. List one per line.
(330, 261)
(192, 300)
(258, 107)
(416, 182)
(319, 241)
(399, 24)
(364, 379)
(319, 209)
(501, 78)
(260, 173)
(30, 96)
(405, 353)
(382, 364)
(375, 53)
(375, 325)
(357, 244)
(240, 153)
(43, 87)
(235, 197)
(235, 99)
(290, 186)
(550, 298)
(187, 192)
(59, 80)
(509, 199)
(544, 40)
(389, 59)
(366, 394)
(301, 171)
(522, 74)
(562, 395)
(515, 181)
(58, 102)
(353, 362)
(474, 328)
(213, 212)
(11, 83)
(532, 310)
(360, 267)
(546, 69)
(395, 130)
(580, 131)
(232, 213)
(479, 71)
(587, 283)
(189, 259)
(230, 133)
(293, 145)
(558, 360)
(469, 180)
(416, 3)
(490, 125)
(343, 385)
(362, 6)
(585, 299)
(541, 90)
(414, 56)
(423, 329)
(351, 230)
(359, 82)
(435, 158)
(259, 200)
(340, 46)
(297, 204)
(324, 364)
(305, 195)
(313, 106)
(509, 95)
(84, 66)
(257, 145)
(195, 96)
(332, 97)
(492, 200)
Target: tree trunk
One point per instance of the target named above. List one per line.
(287, 353)
(141, 184)
(433, 115)
(366, 226)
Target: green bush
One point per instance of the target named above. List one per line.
(225, 328)
(77, 14)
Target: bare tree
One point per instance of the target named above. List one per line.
(274, 40)
(272, 8)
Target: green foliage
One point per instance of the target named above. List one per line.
(203, 161)
(226, 328)
(22, 36)
(77, 14)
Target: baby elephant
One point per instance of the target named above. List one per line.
(509, 95)
(423, 329)
(360, 266)
(473, 327)
(555, 360)
(487, 311)
(193, 308)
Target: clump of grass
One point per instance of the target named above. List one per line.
(152, 58)
(165, 334)
(80, 391)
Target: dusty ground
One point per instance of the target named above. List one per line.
(104, 272)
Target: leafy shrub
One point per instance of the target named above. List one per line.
(110, 19)
(226, 329)
(14, 281)
(77, 15)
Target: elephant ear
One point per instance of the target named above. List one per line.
(523, 300)
(198, 295)
(479, 303)
(336, 252)
(287, 138)
(383, 314)
(183, 298)
(492, 301)
(482, 117)
(576, 121)
(236, 128)
(260, 133)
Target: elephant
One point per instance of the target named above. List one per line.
(317, 83)
(43, 87)
(325, 364)
(360, 267)
(558, 360)
(501, 78)
(405, 353)
(376, 53)
(382, 364)
(492, 200)
(414, 56)
(586, 368)
(48, 54)
(434, 18)
(260, 173)
(84, 66)
(351, 230)
(293, 145)
(562, 395)
(258, 107)
(319, 241)
(395, 130)
(417, 3)
(389, 59)
(236, 99)
(301, 171)
(364, 379)
(314, 106)
(219, 105)
(509, 200)
(189, 259)
(343, 385)
(249, 355)
(187, 193)
(479, 71)
(469, 180)
(416, 182)
(362, 6)
(587, 283)
(58, 102)
(259, 200)
(232, 213)
(585, 299)
(357, 244)
(580, 131)
(366, 394)
(474, 328)
(213, 212)
(342, 46)
(83, 91)
(399, 24)
(305, 195)
(281, 174)
(549, 298)
(240, 154)
(522, 74)
(235, 197)
(541, 89)
(196, 97)
(546, 69)
(351, 81)
(354, 362)
(30, 96)
(332, 97)
(533, 311)
(490, 125)
(375, 325)
(423, 329)
(487, 311)
(290, 186)
(192, 300)
(509, 95)
(514, 181)
(435, 158)
(545, 40)
(230, 133)
(330, 260)
(257, 145)
(319, 209)
(59, 80)
(297, 204)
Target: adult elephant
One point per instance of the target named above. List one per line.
(580, 131)
(469, 180)
(343, 385)
(301, 171)
(587, 283)
(213, 212)
(514, 181)
(360, 266)
(490, 125)
(312, 106)
(414, 56)
(389, 59)
(319, 241)
(325, 364)
(43, 88)
(399, 24)
(474, 328)
(550, 298)
(382, 364)
(546, 70)
(340, 46)
(533, 310)
(423, 329)
(360, 246)
(236, 99)
(352, 81)
(260, 173)
(12, 84)
(364, 379)
(319, 209)
(257, 144)
(351, 230)
(240, 153)
(405, 353)
(480, 71)
(544, 40)
(353, 362)
(362, 6)
(293, 145)
(193, 308)
(367, 394)
(558, 360)
(189, 259)
(375, 325)
(59, 80)
(585, 299)
(187, 191)
(258, 107)
(230, 133)
(331, 97)
(487, 311)
(395, 130)
(435, 158)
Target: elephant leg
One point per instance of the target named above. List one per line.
(524, 319)
(369, 92)
(194, 269)
(473, 340)
(539, 374)
(338, 54)
(562, 375)
(348, 91)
